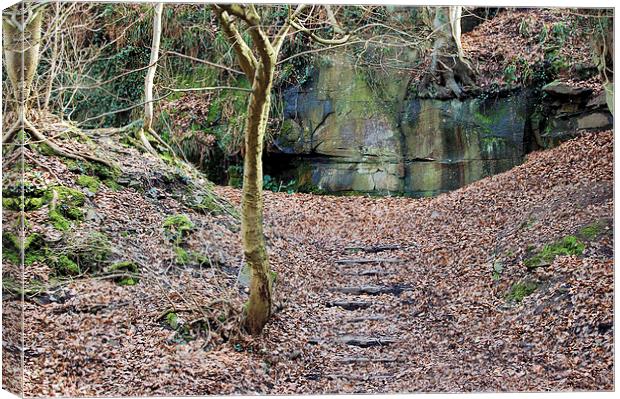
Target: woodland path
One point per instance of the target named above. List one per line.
(425, 312)
(363, 326)
(415, 307)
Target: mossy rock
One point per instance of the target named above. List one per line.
(32, 197)
(16, 204)
(89, 182)
(520, 290)
(32, 245)
(177, 227)
(68, 206)
(126, 266)
(97, 169)
(569, 245)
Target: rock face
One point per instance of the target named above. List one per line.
(352, 131)
(568, 110)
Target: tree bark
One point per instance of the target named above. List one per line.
(450, 74)
(21, 39)
(150, 73)
(149, 80)
(255, 251)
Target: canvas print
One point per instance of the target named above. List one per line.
(227, 198)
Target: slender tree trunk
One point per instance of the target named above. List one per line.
(259, 305)
(150, 74)
(150, 79)
(53, 61)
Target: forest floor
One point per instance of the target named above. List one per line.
(372, 294)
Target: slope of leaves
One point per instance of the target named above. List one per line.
(521, 45)
(455, 330)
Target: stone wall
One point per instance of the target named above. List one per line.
(352, 131)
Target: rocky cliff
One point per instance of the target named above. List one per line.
(352, 131)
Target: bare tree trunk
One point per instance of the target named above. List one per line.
(259, 305)
(260, 70)
(150, 79)
(53, 61)
(150, 74)
(450, 73)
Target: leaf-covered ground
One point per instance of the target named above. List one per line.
(464, 312)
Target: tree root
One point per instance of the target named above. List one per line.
(452, 77)
(145, 142)
(26, 125)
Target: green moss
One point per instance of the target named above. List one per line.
(287, 128)
(91, 183)
(66, 267)
(66, 196)
(569, 245)
(592, 231)
(172, 320)
(520, 290)
(209, 204)
(112, 184)
(10, 248)
(274, 276)
(58, 220)
(182, 257)
(189, 257)
(176, 227)
(128, 267)
(235, 176)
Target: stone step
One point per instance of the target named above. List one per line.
(349, 305)
(371, 273)
(368, 360)
(366, 318)
(360, 377)
(374, 248)
(366, 342)
(353, 340)
(363, 261)
(372, 290)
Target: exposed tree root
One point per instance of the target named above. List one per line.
(145, 142)
(24, 124)
(451, 77)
